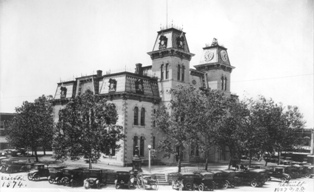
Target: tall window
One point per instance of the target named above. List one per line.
(154, 142)
(225, 83)
(135, 146)
(197, 153)
(178, 75)
(154, 121)
(143, 116)
(222, 83)
(162, 72)
(136, 116)
(142, 144)
(167, 71)
(183, 68)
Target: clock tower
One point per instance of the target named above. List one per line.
(216, 65)
(170, 60)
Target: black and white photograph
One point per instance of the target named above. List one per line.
(157, 95)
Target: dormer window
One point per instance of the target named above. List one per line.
(163, 42)
(139, 87)
(63, 93)
(112, 85)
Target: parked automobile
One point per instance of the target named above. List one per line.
(220, 179)
(6, 163)
(73, 176)
(231, 178)
(55, 174)
(39, 171)
(124, 179)
(278, 172)
(253, 177)
(147, 181)
(18, 166)
(204, 181)
(95, 178)
(185, 181)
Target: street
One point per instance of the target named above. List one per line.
(19, 182)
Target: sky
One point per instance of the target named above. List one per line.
(43, 42)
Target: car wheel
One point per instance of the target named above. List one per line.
(225, 185)
(86, 185)
(139, 184)
(50, 180)
(201, 187)
(254, 183)
(154, 186)
(65, 181)
(36, 177)
(117, 186)
(189, 186)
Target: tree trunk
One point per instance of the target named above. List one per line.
(230, 161)
(44, 151)
(179, 160)
(206, 160)
(250, 155)
(36, 156)
(90, 159)
(279, 154)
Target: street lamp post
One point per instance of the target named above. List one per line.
(149, 148)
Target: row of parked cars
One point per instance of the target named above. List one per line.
(92, 178)
(256, 177)
(209, 180)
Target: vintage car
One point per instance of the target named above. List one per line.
(125, 179)
(96, 178)
(73, 176)
(39, 171)
(147, 181)
(185, 181)
(204, 181)
(231, 178)
(55, 174)
(220, 179)
(278, 172)
(5, 163)
(18, 166)
(253, 177)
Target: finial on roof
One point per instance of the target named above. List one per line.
(215, 42)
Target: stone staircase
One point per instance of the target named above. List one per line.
(162, 179)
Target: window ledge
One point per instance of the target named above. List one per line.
(138, 126)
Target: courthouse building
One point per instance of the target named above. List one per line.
(138, 94)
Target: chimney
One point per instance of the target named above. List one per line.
(138, 69)
(99, 73)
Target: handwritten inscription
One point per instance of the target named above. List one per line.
(292, 186)
(13, 181)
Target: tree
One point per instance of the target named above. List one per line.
(274, 126)
(210, 113)
(87, 127)
(32, 126)
(176, 121)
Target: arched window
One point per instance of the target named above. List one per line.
(183, 68)
(167, 71)
(135, 146)
(143, 116)
(178, 75)
(162, 72)
(142, 144)
(222, 83)
(225, 83)
(136, 116)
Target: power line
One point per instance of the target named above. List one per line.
(270, 78)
